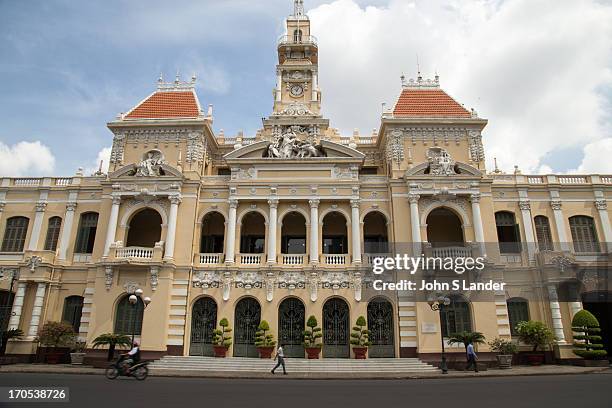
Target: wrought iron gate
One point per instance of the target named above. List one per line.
(246, 320)
(203, 323)
(380, 324)
(291, 327)
(336, 329)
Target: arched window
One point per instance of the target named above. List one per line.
(375, 239)
(213, 233)
(86, 235)
(53, 231)
(145, 229)
(293, 234)
(15, 234)
(584, 234)
(73, 307)
(334, 234)
(508, 234)
(518, 311)
(456, 317)
(297, 36)
(543, 234)
(253, 234)
(128, 318)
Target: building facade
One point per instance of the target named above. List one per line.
(286, 224)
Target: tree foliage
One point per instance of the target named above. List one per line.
(587, 342)
(221, 336)
(535, 333)
(312, 333)
(262, 337)
(360, 335)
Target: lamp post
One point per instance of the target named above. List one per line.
(133, 299)
(14, 276)
(437, 305)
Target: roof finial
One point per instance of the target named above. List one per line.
(419, 77)
(161, 78)
(496, 170)
(177, 78)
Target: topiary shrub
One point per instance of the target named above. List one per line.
(586, 340)
(535, 333)
(262, 337)
(312, 333)
(359, 335)
(219, 335)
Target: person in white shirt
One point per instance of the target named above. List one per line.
(280, 358)
(133, 356)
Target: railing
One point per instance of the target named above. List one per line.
(135, 253)
(211, 259)
(366, 140)
(606, 179)
(82, 258)
(335, 259)
(369, 258)
(27, 182)
(290, 259)
(452, 252)
(572, 180)
(302, 39)
(535, 180)
(250, 259)
(63, 181)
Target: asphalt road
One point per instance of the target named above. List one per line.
(571, 391)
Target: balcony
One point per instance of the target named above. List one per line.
(210, 259)
(137, 253)
(285, 40)
(250, 259)
(335, 259)
(293, 259)
(451, 252)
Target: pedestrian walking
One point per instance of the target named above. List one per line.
(472, 358)
(280, 360)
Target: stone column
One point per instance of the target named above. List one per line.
(315, 86)
(525, 207)
(272, 225)
(17, 306)
(2, 205)
(555, 312)
(602, 208)
(575, 307)
(415, 223)
(175, 200)
(279, 84)
(66, 230)
(112, 225)
(560, 225)
(37, 227)
(37, 309)
(231, 232)
(314, 230)
(478, 230)
(355, 231)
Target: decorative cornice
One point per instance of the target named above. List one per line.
(413, 198)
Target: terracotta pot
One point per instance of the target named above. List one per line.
(504, 361)
(360, 352)
(535, 359)
(220, 351)
(77, 358)
(313, 352)
(265, 352)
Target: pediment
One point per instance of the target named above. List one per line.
(459, 168)
(330, 150)
(131, 170)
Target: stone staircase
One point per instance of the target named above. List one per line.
(254, 367)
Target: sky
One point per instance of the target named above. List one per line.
(539, 70)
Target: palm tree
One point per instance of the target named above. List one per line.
(466, 338)
(112, 340)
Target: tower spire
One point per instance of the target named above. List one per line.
(298, 8)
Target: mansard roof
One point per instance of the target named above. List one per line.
(173, 100)
(425, 99)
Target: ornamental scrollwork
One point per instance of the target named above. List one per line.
(335, 280)
(291, 280)
(248, 280)
(206, 280)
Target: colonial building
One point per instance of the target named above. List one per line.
(285, 224)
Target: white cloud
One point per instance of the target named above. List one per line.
(104, 157)
(534, 68)
(26, 159)
(596, 158)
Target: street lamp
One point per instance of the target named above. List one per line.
(133, 299)
(437, 305)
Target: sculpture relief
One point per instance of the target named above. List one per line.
(150, 166)
(440, 162)
(288, 146)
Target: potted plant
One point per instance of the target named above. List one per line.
(466, 338)
(311, 334)
(57, 338)
(359, 338)
(78, 353)
(112, 341)
(536, 334)
(221, 341)
(264, 341)
(505, 350)
(587, 341)
(6, 336)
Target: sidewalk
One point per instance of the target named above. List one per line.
(515, 371)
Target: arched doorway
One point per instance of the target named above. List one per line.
(600, 304)
(145, 229)
(203, 324)
(246, 319)
(336, 329)
(444, 228)
(291, 324)
(380, 325)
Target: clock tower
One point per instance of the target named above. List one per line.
(297, 98)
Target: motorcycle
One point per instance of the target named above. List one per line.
(140, 371)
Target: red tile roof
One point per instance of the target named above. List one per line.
(167, 104)
(419, 102)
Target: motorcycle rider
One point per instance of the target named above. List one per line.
(132, 357)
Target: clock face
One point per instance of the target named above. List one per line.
(296, 90)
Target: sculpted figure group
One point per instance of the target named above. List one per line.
(288, 146)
